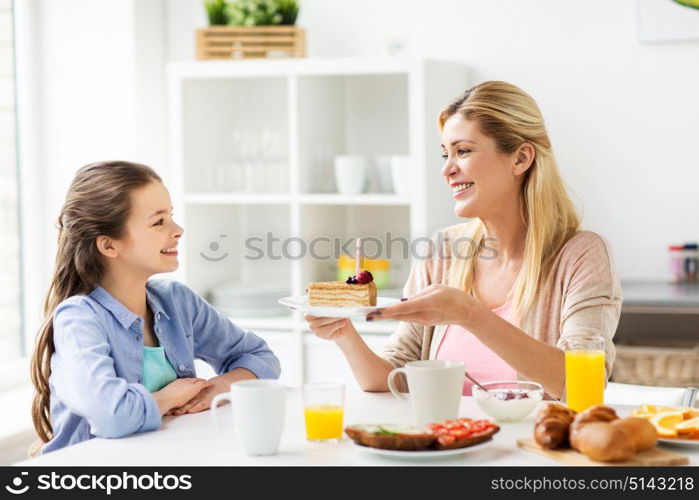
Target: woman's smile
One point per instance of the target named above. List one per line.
(461, 189)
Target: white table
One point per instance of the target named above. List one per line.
(194, 440)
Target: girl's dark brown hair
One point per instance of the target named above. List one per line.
(98, 203)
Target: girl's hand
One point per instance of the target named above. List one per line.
(329, 328)
(178, 392)
(434, 305)
(202, 400)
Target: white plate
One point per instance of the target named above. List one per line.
(688, 443)
(299, 303)
(422, 454)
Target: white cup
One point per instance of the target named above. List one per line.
(258, 408)
(401, 175)
(382, 174)
(435, 389)
(351, 174)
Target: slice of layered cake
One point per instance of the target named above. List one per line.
(357, 291)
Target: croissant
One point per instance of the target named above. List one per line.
(552, 424)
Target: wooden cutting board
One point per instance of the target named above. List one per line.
(654, 456)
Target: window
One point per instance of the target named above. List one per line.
(10, 288)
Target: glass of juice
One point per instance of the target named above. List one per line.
(585, 371)
(323, 405)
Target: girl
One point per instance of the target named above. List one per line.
(116, 351)
(524, 279)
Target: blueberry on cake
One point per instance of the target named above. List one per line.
(357, 291)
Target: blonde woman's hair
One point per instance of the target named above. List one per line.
(511, 117)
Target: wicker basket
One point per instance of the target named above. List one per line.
(661, 366)
(243, 42)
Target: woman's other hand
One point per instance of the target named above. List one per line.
(330, 328)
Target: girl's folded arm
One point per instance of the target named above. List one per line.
(85, 380)
(226, 346)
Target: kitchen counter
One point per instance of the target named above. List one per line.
(660, 297)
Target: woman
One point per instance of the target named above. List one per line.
(523, 278)
(116, 350)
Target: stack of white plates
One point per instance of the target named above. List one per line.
(247, 300)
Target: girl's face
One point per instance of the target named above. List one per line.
(150, 244)
(482, 178)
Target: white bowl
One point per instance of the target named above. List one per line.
(507, 401)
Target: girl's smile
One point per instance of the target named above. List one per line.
(170, 252)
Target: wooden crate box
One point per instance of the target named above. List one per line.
(243, 42)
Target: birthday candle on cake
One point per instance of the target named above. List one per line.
(357, 257)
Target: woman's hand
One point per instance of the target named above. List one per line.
(434, 305)
(330, 328)
(178, 392)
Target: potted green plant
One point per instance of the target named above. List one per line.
(242, 29)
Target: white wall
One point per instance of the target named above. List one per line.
(90, 87)
(622, 115)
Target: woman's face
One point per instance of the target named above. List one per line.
(149, 246)
(483, 179)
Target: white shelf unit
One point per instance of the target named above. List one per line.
(321, 108)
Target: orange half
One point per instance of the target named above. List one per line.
(665, 422)
(690, 426)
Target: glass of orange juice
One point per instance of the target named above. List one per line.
(323, 405)
(585, 371)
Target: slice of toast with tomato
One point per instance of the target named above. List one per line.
(446, 435)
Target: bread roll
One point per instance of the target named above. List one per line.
(604, 442)
(642, 432)
(597, 413)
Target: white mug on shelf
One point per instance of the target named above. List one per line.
(435, 389)
(401, 175)
(258, 408)
(382, 174)
(351, 173)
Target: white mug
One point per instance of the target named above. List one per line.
(401, 175)
(258, 408)
(351, 173)
(382, 174)
(435, 389)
